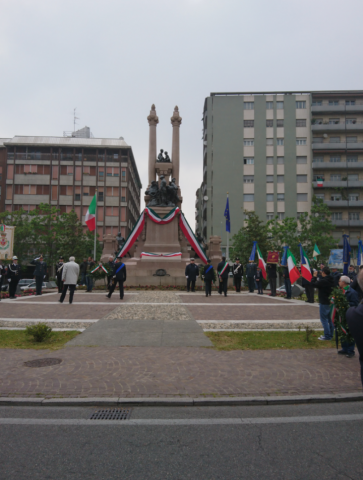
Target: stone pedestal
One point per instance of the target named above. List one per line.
(214, 250)
(109, 247)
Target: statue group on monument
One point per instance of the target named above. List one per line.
(163, 159)
(163, 196)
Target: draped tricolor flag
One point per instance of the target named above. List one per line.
(90, 217)
(294, 273)
(305, 265)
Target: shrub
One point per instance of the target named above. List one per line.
(40, 331)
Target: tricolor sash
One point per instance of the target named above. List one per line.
(223, 269)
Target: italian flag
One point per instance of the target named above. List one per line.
(261, 263)
(319, 182)
(294, 273)
(305, 265)
(90, 217)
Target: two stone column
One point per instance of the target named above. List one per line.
(175, 153)
(153, 121)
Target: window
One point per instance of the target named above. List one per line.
(77, 197)
(280, 215)
(113, 172)
(269, 105)
(301, 160)
(300, 104)
(336, 177)
(353, 197)
(112, 192)
(318, 159)
(248, 179)
(280, 160)
(280, 197)
(280, 105)
(334, 140)
(123, 175)
(350, 121)
(352, 159)
(248, 197)
(320, 196)
(269, 123)
(333, 102)
(301, 122)
(269, 197)
(318, 139)
(317, 121)
(100, 196)
(249, 161)
(248, 105)
(353, 215)
(248, 123)
(280, 141)
(269, 179)
(299, 214)
(333, 121)
(351, 139)
(280, 178)
(335, 159)
(301, 178)
(269, 141)
(336, 215)
(350, 102)
(353, 177)
(270, 216)
(123, 199)
(302, 197)
(101, 174)
(317, 103)
(301, 141)
(247, 143)
(279, 123)
(269, 160)
(318, 177)
(336, 197)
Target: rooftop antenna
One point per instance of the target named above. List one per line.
(74, 119)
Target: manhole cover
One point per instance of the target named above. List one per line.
(111, 414)
(43, 362)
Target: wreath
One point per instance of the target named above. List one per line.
(339, 307)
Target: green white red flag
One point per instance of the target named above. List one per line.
(261, 263)
(305, 265)
(90, 217)
(294, 273)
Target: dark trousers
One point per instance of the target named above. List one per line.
(109, 282)
(310, 293)
(12, 287)
(39, 284)
(251, 284)
(208, 287)
(89, 283)
(223, 286)
(237, 283)
(260, 286)
(113, 286)
(192, 283)
(348, 347)
(288, 287)
(71, 293)
(1, 282)
(60, 284)
(273, 286)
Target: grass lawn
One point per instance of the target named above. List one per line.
(266, 340)
(19, 339)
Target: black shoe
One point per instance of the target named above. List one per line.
(70, 303)
(342, 352)
(350, 355)
(108, 296)
(225, 295)
(60, 301)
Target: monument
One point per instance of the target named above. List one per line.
(162, 241)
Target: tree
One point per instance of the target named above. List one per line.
(255, 229)
(284, 233)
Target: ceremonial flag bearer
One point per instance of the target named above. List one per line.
(119, 275)
(223, 270)
(237, 274)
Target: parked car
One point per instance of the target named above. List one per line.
(33, 285)
(25, 281)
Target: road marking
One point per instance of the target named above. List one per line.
(181, 422)
(255, 329)
(257, 321)
(184, 304)
(53, 329)
(54, 320)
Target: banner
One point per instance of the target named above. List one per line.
(6, 242)
(162, 221)
(272, 257)
(253, 253)
(165, 255)
(336, 258)
(188, 232)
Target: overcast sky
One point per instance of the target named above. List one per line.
(113, 58)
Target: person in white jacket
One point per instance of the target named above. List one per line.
(69, 277)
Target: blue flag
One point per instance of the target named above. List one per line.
(228, 218)
(253, 253)
(346, 254)
(360, 253)
(284, 257)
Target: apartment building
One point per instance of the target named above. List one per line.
(257, 147)
(337, 146)
(67, 172)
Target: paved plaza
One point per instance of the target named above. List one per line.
(152, 344)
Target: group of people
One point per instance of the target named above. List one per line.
(11, 274)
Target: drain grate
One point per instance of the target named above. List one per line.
(43, 362)
(111, 414)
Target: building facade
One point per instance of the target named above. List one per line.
(68, 172)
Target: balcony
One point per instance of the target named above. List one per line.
(343, 203)
(33, 156)
(341, 108)
(337, 165)
(339, 183)
(337, 146)
(347, 223)
(337, 127)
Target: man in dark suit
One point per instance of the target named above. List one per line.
(208, 275)
(272, 275)
(223, 271)
(355, 285)
(119, 275)
(39, 273)
(110, 266)
(191, 274)
(58, 273)
(251, 270)
(354, 318)
(13, 274)
(237, 274)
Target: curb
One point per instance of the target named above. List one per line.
(179, 402)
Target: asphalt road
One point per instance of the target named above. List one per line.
(323, 441)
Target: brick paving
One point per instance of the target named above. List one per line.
(234, 298)
(161, 371)
(21, 310)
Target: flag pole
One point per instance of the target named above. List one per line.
(94, 244)
(227, 249)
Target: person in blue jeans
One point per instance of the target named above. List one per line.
(325, 286)
(353, 300)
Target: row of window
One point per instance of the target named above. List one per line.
(336, 139)
(319, 103)
(337, 159)
(270, 105)
(250, 197)
(337, 197)
(73, 191)
(333, 121)
(270, 123)
(337, 177)
(279, 178)
(280, 160)
(339, 216)
(250, 142)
